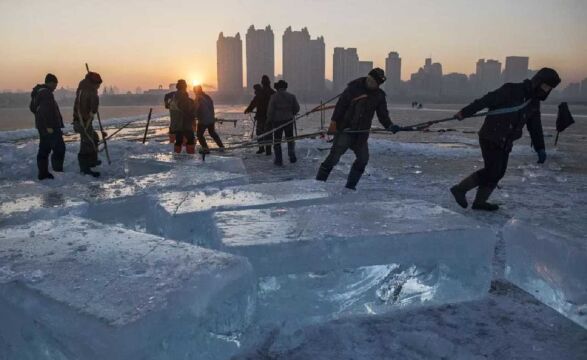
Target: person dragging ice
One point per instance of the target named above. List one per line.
(282, 109)
(354, 111)
(49, 122)
(204, 112)
(84, 111)
(260, 102)
(499, 132)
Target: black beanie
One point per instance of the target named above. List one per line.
(546, 76)
(281, 84)
(94, 77)
(265, 80)
(378, 74)
(50, 78)
(181, 84)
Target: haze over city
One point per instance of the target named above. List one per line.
(146, 43)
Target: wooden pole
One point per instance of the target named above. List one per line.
(147, 127)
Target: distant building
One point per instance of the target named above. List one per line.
(455, 85)
(427, 81)
(260, 55)
(393, 71)
(516, 68)
(229, 66)
(572, 91)
(584, 89)
(364, 68)
(304, 64)
(345, 66)
(487, 76)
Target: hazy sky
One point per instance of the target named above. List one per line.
(148, 42)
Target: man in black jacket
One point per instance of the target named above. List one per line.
(49, 123)
(181, 115)
(499, 132)
(261, 103)
(354, 111)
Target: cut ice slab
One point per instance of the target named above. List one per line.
(188, 178)
(27, 201)
(411, 234)
(187, 216)
(550, 266)
(76, 289)
(159, 162)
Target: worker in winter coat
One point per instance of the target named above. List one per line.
(354, 111)
(85, 109)
(261, 102)
(49, 123)
(181, 114)
(281, 111)
(498, 133)
(204, 111)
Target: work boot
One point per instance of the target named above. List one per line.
(480, 203)
(177, 149)
(293, 159)
(190, 149)
(88, 171)
(460, 190)
(353, 179)
(261, 150)
(57, 165)
(322, 174)
(278, 155)
(47, 175)
(204, 151)
(268, 150)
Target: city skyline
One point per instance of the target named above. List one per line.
(133, 43)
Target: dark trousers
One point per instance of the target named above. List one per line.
(342, 142)
(51, 144)
(187, 135)
(495, 159)
(291, 144)
(88, 149)
(262, 127)
(212, 131)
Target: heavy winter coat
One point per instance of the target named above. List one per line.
(181, 111)
(86, 103)
(282, 108)
(45, 108)
(504, 129)
(204, 110)
(261, 103)
(357, 106)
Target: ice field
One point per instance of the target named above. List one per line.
(172, 257)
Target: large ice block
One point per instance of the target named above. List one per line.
(395, 251)
(188, 178)
(27, 201)
(187, 216)
(76, 289)
(144, 164)
(552, 267)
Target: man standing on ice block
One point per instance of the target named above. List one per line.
(498, 133)
(354, 111)
(204, 111)
(49, 123)
(261, 103)
(181, 114)
(84, 110)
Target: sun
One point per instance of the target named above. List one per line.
(196, 82)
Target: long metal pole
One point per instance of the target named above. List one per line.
(147, 126)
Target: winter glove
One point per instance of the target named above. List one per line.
(541, 156)
(104, 134)
(331, 128)
(394, 128)
(459, 116)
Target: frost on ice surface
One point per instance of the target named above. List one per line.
(549, 266)
(159, 162)
(439, 256)
(107, 292)
(187, 216)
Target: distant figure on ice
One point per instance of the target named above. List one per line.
(204, 111)
(84, 110)
(181, 115)
(282, 109)
(354, 111)
(261, 103)
(49, 123)
(498, 133)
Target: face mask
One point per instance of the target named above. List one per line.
(372, 84)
